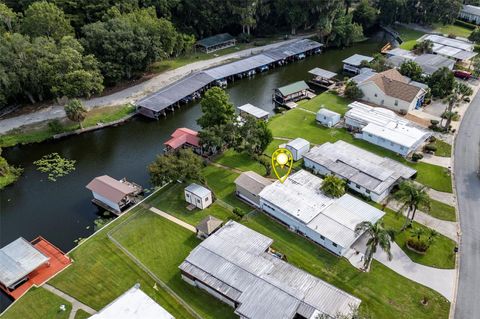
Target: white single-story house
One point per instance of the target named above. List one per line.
(249, 185)
(112, 194)
(470, 13)
(384, 128)
(256, 112)
(366, 173)
(327, 118)
(298, 147)
(237, 266)
(199, 196)
(392, 90)
(457, 49)
(133, 304)
(299, 203)
(353, 64)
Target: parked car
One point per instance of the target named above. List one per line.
(464, 75)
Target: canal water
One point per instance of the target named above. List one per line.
(62, 211)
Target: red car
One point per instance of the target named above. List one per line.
(464, 75)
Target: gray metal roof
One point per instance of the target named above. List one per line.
(363, 76)
(293, 88)
(357, 59)
(192, 83)
(473, 10)
(234, 261)
(364, 168)
(18, 259)
(455, 48)
(253, 110)
(322, 73)
(328, 113)
(298, 143)
(215, 40)
(198, 190)
(252, 182)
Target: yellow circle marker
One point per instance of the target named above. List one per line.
(280, 158)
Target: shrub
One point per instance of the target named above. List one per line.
(419, 245)
(467, 99)
(451, 36)
(416, 157)
(432, 139)
(238, 212)
(55, 127)
(403, 112)
(434, 122)
(352, 91)
(465, 24)
(430, 148)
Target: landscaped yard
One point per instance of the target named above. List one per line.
(457, 30)
(443, 148)
(38, 303)
(442, 211)
(298, 123)
(162, 246)
(241, 161)
(327, 100)
(408, 36)
(384, 293)
(101, 273)
(82, 314)
(439, 255)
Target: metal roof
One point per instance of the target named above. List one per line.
(253, 110)
(293, 88)
(252, 182)
(328, 113)
(198, 190)
(373, 172)
(110, 188)
(300, 197)
(18, 259)
(234, 261)
(240, 66)
(363, 76)
(215, 40)
(473, 10)
(428, 62)
(298, 143)
(455, 48)
(357, 59)
(133, 304)
(404, 135)
(322, 73)
(209, 224)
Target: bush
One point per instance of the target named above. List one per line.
(244, 38)
(416, 157)
(430, 148)
(451, 36)
(55, 127)
(467, 99)
(419, 245)
(465, 24)
(434, 122)
(432, 139)
(238, 212)
(403, 112)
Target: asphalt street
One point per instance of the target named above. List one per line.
(466, 165)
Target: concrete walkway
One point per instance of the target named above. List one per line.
(446, 228)
(235, 170)
(437, 160)
(75, 303)
(136, 92)
(173, 219)
(446, 198)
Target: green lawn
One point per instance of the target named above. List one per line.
(101, 273)
(171, 199)
(298, 123)
(82, 314)
(439, 255)
(38, 303)
(327, 100)
(408, 36)
(442, 211)
(457, 30)
(384, 293)
(241, 161)
(443, 148)
(162, 246)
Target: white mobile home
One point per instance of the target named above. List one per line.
(366, 173)
(470, 13)
(298, 147)
(327, 118)
(299, 203)
(199, 196)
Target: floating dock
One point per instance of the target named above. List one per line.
(190, 87)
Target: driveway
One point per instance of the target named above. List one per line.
(466, 163)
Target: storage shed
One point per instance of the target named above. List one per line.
(298, 147)
(208, 226)
(216, 42)
(198, 196)
(327, 117)
(249, 185)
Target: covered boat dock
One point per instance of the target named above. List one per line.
(216, 42)
(289, 94)
(322, 78)
(191, 87)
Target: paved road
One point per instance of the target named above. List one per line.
(467, 153)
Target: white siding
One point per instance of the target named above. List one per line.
(199, 202)
(380, 141)
(107, 202)
(373, 94)
(328, 121)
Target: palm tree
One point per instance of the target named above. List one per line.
(432, 235)
(423, 47)
(379, 236)
(75, 111)
(333, 186)
(417, 232)
(413, 197)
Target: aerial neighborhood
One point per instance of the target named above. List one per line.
(239, 159)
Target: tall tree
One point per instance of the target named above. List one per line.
(8, 19)
(216, 108)
(344, 31)
(75, 111)
(412, 197)
(412, 70)
(333, 186)
(475, 36)
(254, 136)
(44, 18)
(378, 236)
(441, 82)
(365, 14)
(423, 47)
(459, 92)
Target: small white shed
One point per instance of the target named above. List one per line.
(298, 147)
(327, 117)
(198, 196)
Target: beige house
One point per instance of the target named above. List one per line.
(392, 90)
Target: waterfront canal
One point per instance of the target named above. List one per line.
(62, 211)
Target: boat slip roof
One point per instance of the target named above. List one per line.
(357, 59)
(133, 304)
(110, 188)
(300, 197)
(253, 110)
(373, 172)
(17, 260)
(215, 40)
(234, 262)
(293, 88)
(192, 83)
(322, 73)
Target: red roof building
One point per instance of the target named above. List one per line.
(183, 137)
